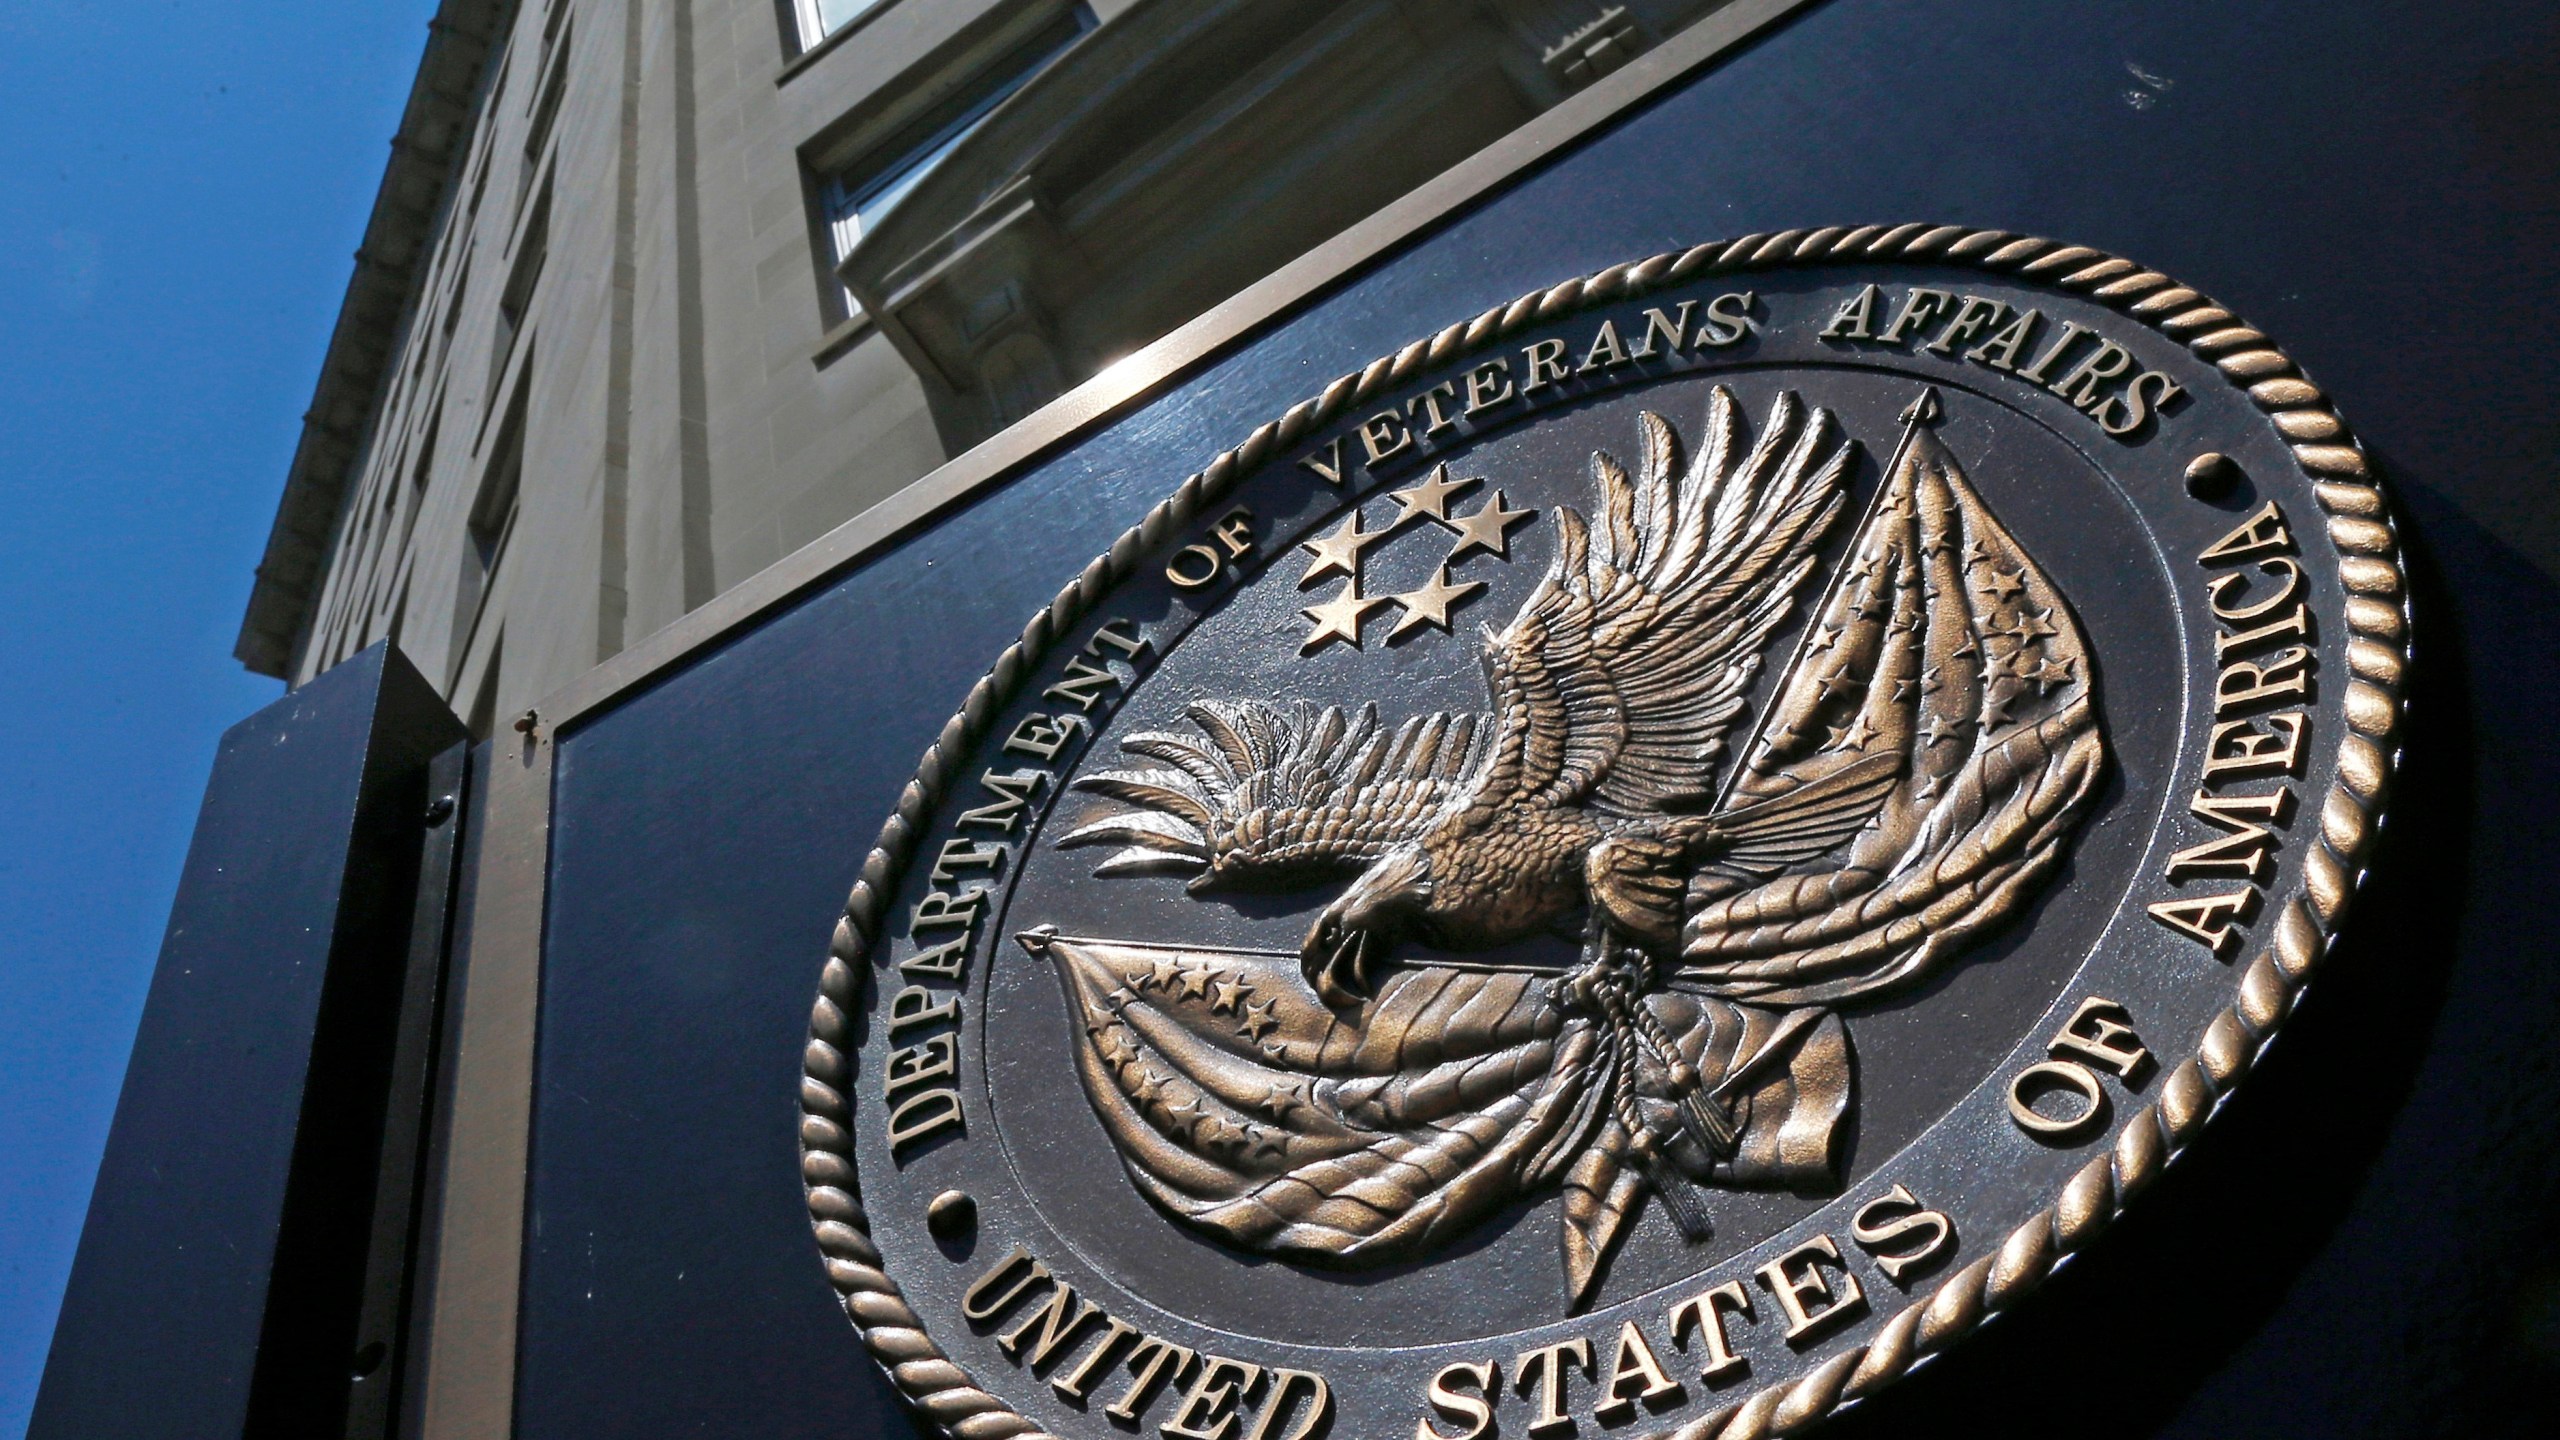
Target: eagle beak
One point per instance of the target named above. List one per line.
(1335, 960)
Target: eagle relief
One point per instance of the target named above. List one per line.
(1667, 851)
(1731, 881)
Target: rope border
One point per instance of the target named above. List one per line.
(2305, 925)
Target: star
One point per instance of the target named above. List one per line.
(1430, 604)
(1428, 497)
(2003, 584)
(1995, 706)
(2039, 622)
(1340, 551)
(1905, 687)
(1161, 973)
(1227, 994)
(1835, 682)
(1488, 529)
(1854, 735)
(1195, 981)
(1937, 728)
(1965, 649)
(1212, 1133)
(1338, 618)
(1929, 787)
(1269, 1145)
(1977, 554)
(1930, 684)
(1145, 1087)
(1824, 637)
(1283, 1102)
(1114, 1045)
(2054, 672)
(1935, 546)
(1257, 1018)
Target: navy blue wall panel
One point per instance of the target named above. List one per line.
(2353, 1253)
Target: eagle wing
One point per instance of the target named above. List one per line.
(1271, 797)
(1616, 683)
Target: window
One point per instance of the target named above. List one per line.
(517, 298)
(546, 108)
(822, 18)
(486, 528)
(855, 198)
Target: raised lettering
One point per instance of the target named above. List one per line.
(1884, 1227)
(2079, 385)
(1383, 434)
(2238, 749)
(2285, 675)
(1276, 1402)
(1544, 1371)
(1707, 1311)
(1071, 1382)
(1057, 1321)
(1972, 313)
(2212, 921)
(938, 1058)
(2052, 1077)
(1326, 463)
(1728, 318)
(1672, 330)
(1208, 1408)
(2246, 848)
(2143, 396)
(1634, 1375)
(960, 855)
(1796, 1275)
(1488, 385)
(1041, 737)
(1013, 792)
(914, 1005)
(943, 907)
(2070, 335)
(946, 961)
(2101, 1032)
(2262, 533)
(925, 1113)
(1918, 308)
(1154, 1362)
(990, 1295)
(1855, 315)
(2000, 352)
(1606, 349)
(1475, 1411)
(1440, 420)
(1546, 365)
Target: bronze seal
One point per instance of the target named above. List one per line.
(1639, 865)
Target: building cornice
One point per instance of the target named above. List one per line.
(417, 187)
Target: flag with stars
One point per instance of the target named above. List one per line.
(1942, 643)
(1239, 1102)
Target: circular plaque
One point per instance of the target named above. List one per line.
(1639, 865)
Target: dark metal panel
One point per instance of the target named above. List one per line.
(2347, 1257)
(215, 1291)
(380, 1362)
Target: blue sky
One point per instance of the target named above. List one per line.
(182, 187)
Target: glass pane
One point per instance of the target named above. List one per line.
(833, 14)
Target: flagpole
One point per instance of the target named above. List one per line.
(1924, 410)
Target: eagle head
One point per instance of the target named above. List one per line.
(1385, 903)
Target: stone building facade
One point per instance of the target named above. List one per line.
(657, 291)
